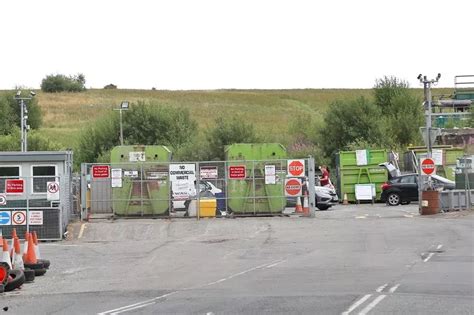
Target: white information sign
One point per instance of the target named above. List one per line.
(3, 199)
(35, 218)
(270, 175)
(136, 156)
(361, 157)
(437, 156)
(208, 172)
(18, 217)
(130, 173)
(183, 177)
(364, 191)
(116, 177)
(52, 191)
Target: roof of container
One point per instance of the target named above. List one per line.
(35, 156)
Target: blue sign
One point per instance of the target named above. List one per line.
(5, 217)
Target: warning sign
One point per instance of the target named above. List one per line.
(52, 191)
(35, 218)
(295, 168)
(237, 172)
(428, 166)
(3, 199)
(14, 186)
(100, 171)
(19, 217)
(293, 187)
(5, 217)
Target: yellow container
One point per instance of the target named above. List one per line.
(207, 207)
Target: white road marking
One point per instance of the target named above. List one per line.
(276, 264)
(380, 289)
(361, 217)
(394, 288)
(408, 216)
(429, 257)
(372, 304)
(82, 230)
(357, 303)
(439, 246)
(154, 300)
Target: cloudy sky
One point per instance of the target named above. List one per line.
(204, 44)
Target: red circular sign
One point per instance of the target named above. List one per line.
(428, 166)
(296, 168)
(293, 187)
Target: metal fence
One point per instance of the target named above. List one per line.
(39, 203)
(190, 189)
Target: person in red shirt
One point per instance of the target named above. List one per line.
(324, 180)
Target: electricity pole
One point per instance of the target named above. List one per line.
(428, 104)
(24, 118)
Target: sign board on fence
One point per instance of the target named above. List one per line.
(136, 156)
(5, 217)
(237, 172)
(18, 217)
(208, 172)
(182, 177)
(130, 174)
(364, 191)
(270, 175)
(116, 175)
(35, 218)
(14, 186)
(437, 156)
(293, 187)
(52, 191)
(296, 168)
(3, 199)
(100, 171)
(428, 166)
(361, 157)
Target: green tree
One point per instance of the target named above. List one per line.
(386, 89)
(347, 122)
(10, 113)
(226, 131)
(61, 83)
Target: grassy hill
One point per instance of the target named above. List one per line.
(65, 114)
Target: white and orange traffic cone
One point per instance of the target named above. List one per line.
(6, 254)
(299, 207)
(345, 201)
(306, 204)
(25, 244)
(17, 260)
(12, 244)
(30, 257)
(35, 242)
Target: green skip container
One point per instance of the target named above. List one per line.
(250, 195)
(145, 187)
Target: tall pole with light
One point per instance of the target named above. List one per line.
(24, 118)
(123, 106)
(427, 92)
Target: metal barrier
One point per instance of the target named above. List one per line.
(39, 203)
(456, 200)
(190, 189)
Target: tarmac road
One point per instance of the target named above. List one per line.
(350, 260)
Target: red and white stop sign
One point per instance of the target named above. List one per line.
(295, 167)
(293, 187)
(428, 166)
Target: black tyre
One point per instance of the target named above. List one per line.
(393, 199)
(406, 202)
(38, 265)
(322, 207)
(17, 281)
(40, 272)
(29, 275)
(45, 262)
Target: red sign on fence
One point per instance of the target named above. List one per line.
(293, 187)
(295, 168)
(14, 186)
(100, 171)
(237, 172)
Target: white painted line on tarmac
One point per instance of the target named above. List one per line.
(275, 264)
(408, 216)
(380, 289)
(82, 230)
(357, 303)
(394, 288)
(439, 246)
(429, 257)
(132, 306)
(361, 217)
(372, 304)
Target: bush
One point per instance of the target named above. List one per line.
(228, 131)
(62, 83)
(110, 87)
(36, 142)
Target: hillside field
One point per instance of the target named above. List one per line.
(271, 111)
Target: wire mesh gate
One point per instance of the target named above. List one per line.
(191, 189)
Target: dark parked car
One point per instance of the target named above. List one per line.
(404, 188)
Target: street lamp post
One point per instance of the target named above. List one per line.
(123, 106)
(427, 92)
(24, 118)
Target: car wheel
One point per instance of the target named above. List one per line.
(322, 207)
(393, 199)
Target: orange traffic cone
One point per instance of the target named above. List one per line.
(306, 204)
(35, 242)
(30, 257)
(6, 254)
(17, 260)
(298, 208)
(25, 244)
(345, 201)
(12, 245)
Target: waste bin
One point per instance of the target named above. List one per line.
(429, 202)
